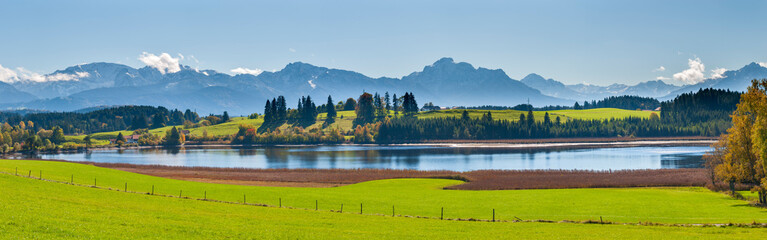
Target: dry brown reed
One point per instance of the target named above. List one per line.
(476, 180)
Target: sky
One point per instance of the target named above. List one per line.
(594, 42)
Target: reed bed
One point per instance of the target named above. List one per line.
(475, 180)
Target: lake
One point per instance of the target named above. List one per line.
(418, 157)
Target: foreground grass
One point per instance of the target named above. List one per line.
(44, 210)
(425, 197)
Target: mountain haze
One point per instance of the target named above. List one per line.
(445, 82)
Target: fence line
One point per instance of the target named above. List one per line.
(442, 209)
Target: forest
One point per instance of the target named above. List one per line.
(378, 119)
(104, 120)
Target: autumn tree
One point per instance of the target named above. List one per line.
(740, 156)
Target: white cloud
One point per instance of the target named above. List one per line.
(241, 70)
(763, 64)
(692, 75)
(660, 69)
(718, 73)
(311, 83)
(21, 74)
(291, 50)
(163, 63)
(662, 78)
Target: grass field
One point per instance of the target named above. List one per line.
(345, 123)
(36, 209)
(564, 115)
(227, 128)
(425, 197)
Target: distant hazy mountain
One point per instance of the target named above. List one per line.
(9, 94)
(553, 87)
(449, 83)
(582, 92)
(736, 80)
(445, 83)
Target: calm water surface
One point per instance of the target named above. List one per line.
(404, 157)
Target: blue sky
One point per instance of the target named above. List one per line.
(597, 42)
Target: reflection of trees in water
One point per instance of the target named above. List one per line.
(276, 155)
(175, 150)
(681, 161)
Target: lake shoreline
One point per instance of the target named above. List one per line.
(553, 143)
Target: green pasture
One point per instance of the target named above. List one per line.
(426, 197)
(345, 123)
(34, 209)
(564, 115)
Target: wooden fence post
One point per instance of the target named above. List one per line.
(342, 208)
(316, 205)
(179, 193)
(442, 213)
(30, 173)
(360, 208)
(94, 182)
(392, 210)
(244, 199)
(493, 214)
(152, 189)
(205, 196)
(41, 174)
(72, 179)
(17, 171)
(280, 202)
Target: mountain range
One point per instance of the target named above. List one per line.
(445, 82)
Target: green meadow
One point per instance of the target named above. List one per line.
(345, 123)
(34, 209)
(564, 115)
(426, 197)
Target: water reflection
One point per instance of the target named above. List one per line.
(403, 157)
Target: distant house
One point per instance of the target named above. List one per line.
(128, 139)
(185, 132)
(657, 109)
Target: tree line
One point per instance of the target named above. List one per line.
(105, 120)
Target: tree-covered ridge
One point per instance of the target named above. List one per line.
(104, 120)
(702, 106)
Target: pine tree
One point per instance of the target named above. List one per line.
(281, 108)
(396, 105)
(158, 121)
(331, 112)
(530, 117)
(388, 101)
(139, 122)
(225, 117)
(120, 140)
(277, 116)
(268, 115)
